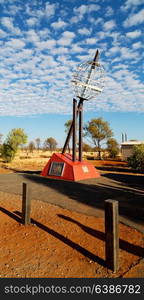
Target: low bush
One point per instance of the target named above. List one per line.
(136, 161)
(7, 152)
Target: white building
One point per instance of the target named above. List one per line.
(127, 148)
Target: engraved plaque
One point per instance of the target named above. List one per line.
(56, 168)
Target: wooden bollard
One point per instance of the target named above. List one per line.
(26, 204)
(112, 234)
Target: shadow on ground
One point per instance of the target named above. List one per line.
(127, 189)
(124, 245)
(118, 169)
(16, 215)
(86, 196)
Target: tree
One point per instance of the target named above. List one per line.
(38, 141)
(86, 147)
(7, 152)
(112, 147)
(31, 146)
(50, 143)
(67, 125)
(136, 161)
(1, 138)
(98, 130)
(15, 138)
(1, 142)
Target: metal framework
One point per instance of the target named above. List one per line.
(78, 112)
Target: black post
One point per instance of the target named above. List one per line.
(74, 129)
(112, 234)
(80, 131)
(26, 204)
(70, 130)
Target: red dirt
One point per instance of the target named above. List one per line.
(5, 171)
(59, 243)
(109, 163)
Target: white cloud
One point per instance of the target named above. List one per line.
(91, 41)
(60, 50)
(84, 31)
(68, 34)
(2, 33)
(131, 3)
(59, 24)
(44, 33)
(7, 22)
(127, 54)
(50, 9)
(13, 9)
(16, 43)
(47, 10)
(76, 48)
(32, 36)
(31, 76)
(48, 62)
(66, 38)
(32, 12)
(109, 11)
(95, 20)
(137, 45)
(113, 50)
(120, 66)
(133, 34)
(82, 10)
(101, 35)
(31, 21)
(109, 25)
(75, 19)
(134, 19)
(93, 7)
(64, 41)
(48, 44)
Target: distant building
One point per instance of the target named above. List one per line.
(127, 148)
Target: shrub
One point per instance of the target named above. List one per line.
(112, 148)
(136, 161)
(15, 138)
(7, 152)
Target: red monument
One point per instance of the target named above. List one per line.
(87, 81)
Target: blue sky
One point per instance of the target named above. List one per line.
(41, 44)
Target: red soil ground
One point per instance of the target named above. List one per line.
(60, 243)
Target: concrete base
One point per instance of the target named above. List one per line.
(61, 166)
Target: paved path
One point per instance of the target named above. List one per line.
(85, 196)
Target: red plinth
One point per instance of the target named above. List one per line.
(61, 166)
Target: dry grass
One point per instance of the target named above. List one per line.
(36, 160)
(28, 161)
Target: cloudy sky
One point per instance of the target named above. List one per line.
(41, 44)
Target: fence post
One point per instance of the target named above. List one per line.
(26, 204)
(112, 234)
